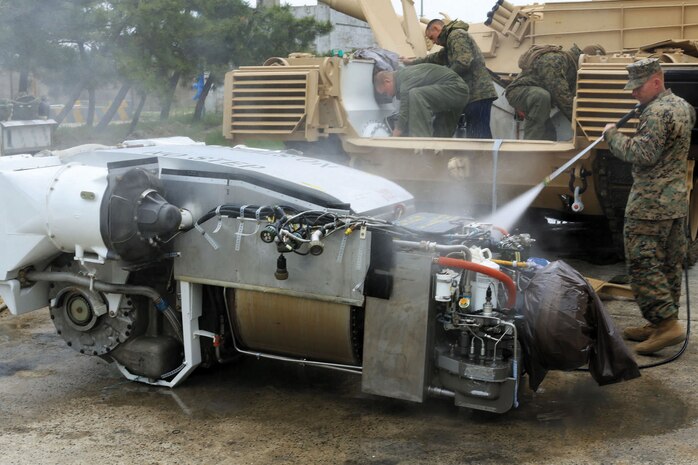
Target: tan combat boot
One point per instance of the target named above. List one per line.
(668, 333)
(639, 333)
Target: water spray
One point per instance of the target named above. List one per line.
(509, 214)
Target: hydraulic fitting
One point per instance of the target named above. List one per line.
(577, 205)
(268, 234)
(316, 245)
(281, 272)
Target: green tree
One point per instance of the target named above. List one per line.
(277, 33)
(152, 47)
(147, 45)
(229, 33)
(83, 28)
(28, 35)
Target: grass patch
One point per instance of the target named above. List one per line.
(208, 130)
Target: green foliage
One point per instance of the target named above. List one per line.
(278, 33)
(150, 43)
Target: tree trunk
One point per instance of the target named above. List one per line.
(201, 103)
(137, 113)
(68, 107)
(90, 120)
(115, 104)
(167, 101)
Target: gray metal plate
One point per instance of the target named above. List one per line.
(396, 333)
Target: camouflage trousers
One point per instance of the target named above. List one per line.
(535, 103)
(655, 252)
(434, 110)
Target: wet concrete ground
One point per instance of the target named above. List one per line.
(60, 407)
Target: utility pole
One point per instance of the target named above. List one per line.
(421, 8)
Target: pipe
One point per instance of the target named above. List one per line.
(515, 264)
(496, 274)
(515, 362)
(432, 246)
(113, 288)
(440, 392)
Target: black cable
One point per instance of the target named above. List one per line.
(680, 352)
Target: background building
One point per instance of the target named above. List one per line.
(348, 33)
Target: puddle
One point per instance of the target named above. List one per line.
(226, 390)
(34, 373)
(12, 368)
(644, 406)
(8, 331)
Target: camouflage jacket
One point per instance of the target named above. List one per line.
(555, 72)
(658, 153)
(411, 77)
(463, 56)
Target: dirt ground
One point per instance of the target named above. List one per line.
(60, 407)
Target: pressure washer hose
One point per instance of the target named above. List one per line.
(621, 122)
(680, 352)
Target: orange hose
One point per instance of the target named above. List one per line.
(501, 230)
(496, 274)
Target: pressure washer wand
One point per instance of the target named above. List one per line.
(574, 159)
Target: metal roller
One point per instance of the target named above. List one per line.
(290, 325)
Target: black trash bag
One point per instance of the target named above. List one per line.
(563, 325)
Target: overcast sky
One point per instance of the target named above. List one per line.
(474, 11)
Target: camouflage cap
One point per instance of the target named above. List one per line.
(640, 71)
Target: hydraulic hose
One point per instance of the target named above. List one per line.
(496, 274)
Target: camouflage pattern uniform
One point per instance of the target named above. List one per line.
(551, 81)
(429, 92)
(655, 215)
(462, 55)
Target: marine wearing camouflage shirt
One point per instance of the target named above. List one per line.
(550, 81)
(658, 154)
(655, 215)
(461, 54)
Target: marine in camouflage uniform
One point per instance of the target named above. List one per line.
(461, 54)
(655, 215)
(550, 81)
(431, 97)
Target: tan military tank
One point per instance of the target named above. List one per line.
(322, 103)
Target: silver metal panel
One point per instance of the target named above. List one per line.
(396, 333)
(246, 262)
(366, 193)
(28, 136)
